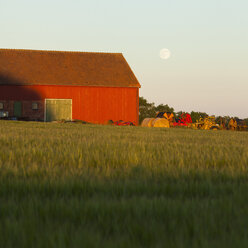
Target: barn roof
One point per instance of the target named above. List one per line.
(35, 67)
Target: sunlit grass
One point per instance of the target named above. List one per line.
(68, 185)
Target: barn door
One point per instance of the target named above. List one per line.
(58, 109)
(17, 109)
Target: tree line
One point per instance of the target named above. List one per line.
(147, 109)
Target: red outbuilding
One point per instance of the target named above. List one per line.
(55, 85)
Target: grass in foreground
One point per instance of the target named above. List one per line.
(69, 185)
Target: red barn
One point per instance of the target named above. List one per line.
(53, 85)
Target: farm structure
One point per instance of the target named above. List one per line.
(55, 85)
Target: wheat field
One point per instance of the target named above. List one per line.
(74, 185)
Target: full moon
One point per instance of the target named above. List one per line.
(164, 53)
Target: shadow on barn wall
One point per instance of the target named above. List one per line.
(20, 100)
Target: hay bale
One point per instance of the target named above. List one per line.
(147, 122)
(161, 122)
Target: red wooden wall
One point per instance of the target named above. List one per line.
(92, 104)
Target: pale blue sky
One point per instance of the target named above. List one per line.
(208, 39)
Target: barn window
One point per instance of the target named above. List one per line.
(1, 105)
(34, 106)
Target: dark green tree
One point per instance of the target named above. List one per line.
(246, 121)
(149, 110)
(146, 109)
(197, 115)
(164, 108)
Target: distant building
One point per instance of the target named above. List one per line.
(53, 85)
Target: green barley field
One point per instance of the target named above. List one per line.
(74, 185)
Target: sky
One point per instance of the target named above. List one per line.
(208, 41)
